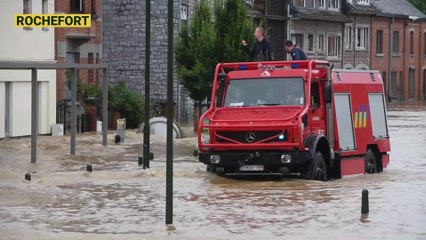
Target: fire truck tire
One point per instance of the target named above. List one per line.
(317, 170)
(370, 162)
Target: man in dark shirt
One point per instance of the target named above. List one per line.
(261, 50)
(295, 52)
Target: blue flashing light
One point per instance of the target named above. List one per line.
(295, 65)
(243, 67)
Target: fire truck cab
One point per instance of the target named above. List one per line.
(294, 117)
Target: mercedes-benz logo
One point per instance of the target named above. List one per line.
(250, 137)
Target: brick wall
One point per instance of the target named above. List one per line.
(64, 44)
(401, 62)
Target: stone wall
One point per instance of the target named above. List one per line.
(124, 43)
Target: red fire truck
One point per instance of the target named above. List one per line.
(294, 117)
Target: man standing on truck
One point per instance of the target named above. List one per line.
(261, 49)
(295, 52)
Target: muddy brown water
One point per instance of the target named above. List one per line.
(119, 200)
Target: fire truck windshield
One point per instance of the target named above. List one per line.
(265, 92)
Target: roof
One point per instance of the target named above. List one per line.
(316, 14)
(359, 8)
(398, 7)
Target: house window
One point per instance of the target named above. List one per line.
(348, 37)
(411, 42)
(362, 38)
(44, 7)
(333, 47)
(310, 3)
(364, 2)
(379, 42)
(184, 12)
(27, 7)
(411, 77)
(310, 43)
(297, 40)
(395, 43)
(321, 43)
(333, 4)
(76, 5)
(321, 3)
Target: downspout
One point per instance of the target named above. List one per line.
(354, 42)
(371, 43)
(388, 76)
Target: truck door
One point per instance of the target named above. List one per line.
(317, 110)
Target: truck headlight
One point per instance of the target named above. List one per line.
(286, 158)
(215, 159)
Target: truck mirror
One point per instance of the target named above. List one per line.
(328, 92)
(222, 76)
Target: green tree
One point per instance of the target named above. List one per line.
(232, 24)
(419, 4)
(209, 40)
(195, 53)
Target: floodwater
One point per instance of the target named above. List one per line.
(119, 200)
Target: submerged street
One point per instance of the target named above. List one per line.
(120, 200)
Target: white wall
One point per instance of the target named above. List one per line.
(17, 44)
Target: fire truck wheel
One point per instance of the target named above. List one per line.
(370, 162)
(317, 170)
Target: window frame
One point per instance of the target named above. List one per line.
(334, 8)
(321, 4)
(27, 9)
(397, 52)
(321, 45)
(337, 40)
(73, 10)
(348, 40)
(379, 42)
(363, 43)
(312, 50)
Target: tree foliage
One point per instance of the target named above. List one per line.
(232, 25)
(419, 4)
(195, 54)
(213, 35)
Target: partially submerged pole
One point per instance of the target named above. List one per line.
(34, 115)
(364, 204)
(73, 109)
(169, 168)
(146, 132)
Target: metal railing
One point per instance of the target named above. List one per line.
(34, 67)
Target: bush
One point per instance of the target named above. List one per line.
(128, 102)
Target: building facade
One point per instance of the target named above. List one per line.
(357, 34)
(25, 45)
(399, 49)
(78, 45)
(124, 47)
(316, 26)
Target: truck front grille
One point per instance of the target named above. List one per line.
(246, 136)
